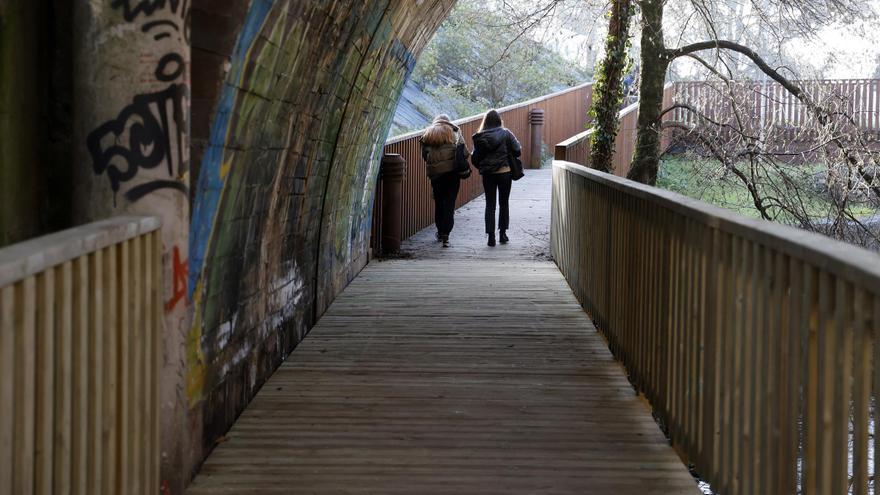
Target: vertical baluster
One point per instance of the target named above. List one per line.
(755, 365)
(732, 347)
(80, 408)
(672, 331)
(874, 329)
(793, 355)
(839, 449)
(96, 371)
(123, 360)
(23, 438)
(145, 398)
(810, 316)
(692, 312)
(64, 378)
(775, 335)
(829, 338)
(769, 334)
(861, 390)
(748, 361)
(135, 365)
(685, 357)
(45, 381)
(8, 370)
(156, 358)
(110, 417)
(738, 444)
(713, 279)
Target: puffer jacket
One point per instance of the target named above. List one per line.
(492, 148)
(441, 159)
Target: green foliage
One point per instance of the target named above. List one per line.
(481, 60)
(707, 180)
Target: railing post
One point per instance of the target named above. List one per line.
(536, 122)
(391, 174)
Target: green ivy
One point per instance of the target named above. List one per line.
(608, 87)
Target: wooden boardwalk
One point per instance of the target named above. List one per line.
(454, 372)
(448, 377)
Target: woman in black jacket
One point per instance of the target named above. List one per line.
(494, 149)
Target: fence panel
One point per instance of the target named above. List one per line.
(767, 106)
(80, 338)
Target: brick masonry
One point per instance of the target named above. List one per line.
(286, 151)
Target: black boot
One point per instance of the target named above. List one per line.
(503, 237)
(491, 239)
(445, 239)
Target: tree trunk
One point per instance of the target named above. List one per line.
(654, 62)
(609, 88)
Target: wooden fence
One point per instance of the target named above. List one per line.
(80, 347)
(757, 344)
(765, 106)
(565, 114)
(576, 149)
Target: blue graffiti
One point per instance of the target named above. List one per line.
(210, 182)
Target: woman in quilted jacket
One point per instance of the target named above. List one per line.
(440, 143)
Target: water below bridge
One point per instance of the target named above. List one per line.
(462, 370)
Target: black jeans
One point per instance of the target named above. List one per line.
(445, 191)
(497, 185)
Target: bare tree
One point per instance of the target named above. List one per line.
(797, 167)
(779, 16)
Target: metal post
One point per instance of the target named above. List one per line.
(391, 173)
(536, 121)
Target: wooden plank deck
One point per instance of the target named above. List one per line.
(448, 376)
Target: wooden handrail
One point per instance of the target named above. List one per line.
(757, 344)
(35, 255)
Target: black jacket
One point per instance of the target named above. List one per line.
(492, 148)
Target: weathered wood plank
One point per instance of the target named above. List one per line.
(448, 376)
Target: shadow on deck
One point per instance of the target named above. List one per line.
(461, 370)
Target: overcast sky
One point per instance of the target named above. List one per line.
(847, 51)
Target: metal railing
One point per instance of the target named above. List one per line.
(80, 349)
(756, 343)
(565, 113)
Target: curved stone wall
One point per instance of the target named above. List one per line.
(286, 153)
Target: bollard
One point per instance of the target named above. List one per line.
(391, 173)
(536, 121)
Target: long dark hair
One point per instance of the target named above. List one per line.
(491, 120)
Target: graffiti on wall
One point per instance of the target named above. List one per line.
(151, 131)
(150, 134)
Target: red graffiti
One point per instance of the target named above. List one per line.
(178, 280)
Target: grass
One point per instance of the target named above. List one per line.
(709, 181)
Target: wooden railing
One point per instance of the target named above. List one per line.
(80, 347)
(767, 106)
(565, 113)
(576, 149)
(756, 343)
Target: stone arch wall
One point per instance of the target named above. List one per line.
(285, 157)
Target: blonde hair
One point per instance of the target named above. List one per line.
(438, 134)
